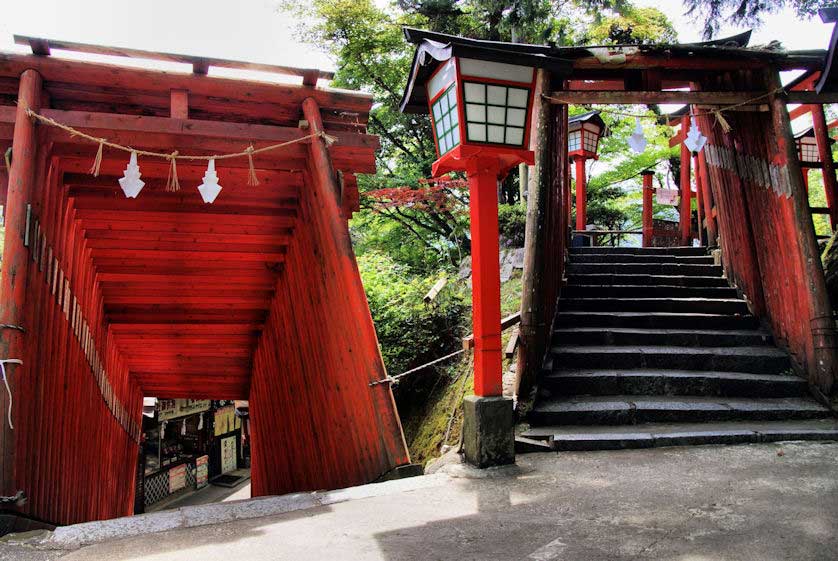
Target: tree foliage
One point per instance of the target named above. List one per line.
(714, 13)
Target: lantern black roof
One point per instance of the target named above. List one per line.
(589, 117)
(804, 133)
(433, 49)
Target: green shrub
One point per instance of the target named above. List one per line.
(512, 222)
(410, 332)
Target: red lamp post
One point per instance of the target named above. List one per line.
(583, 134)
(480, 106)
(648, 211)
(481, 112)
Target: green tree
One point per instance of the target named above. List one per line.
(635, 26)
(714, 13)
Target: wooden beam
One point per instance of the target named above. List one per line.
(41, 46)
(812, 97)
(180, 104)
(92, 74)
(86, 121)
(799, 111)
(578, 97)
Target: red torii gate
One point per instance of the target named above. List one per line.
(750, 186)
(257, 296)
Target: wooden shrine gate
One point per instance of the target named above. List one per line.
(750, 192)
(106, 299)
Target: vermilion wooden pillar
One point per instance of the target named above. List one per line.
(830, 184)
(686, 191)
(581, 194)
(805, 172)
(15, 258)
(699, 202)
(483, 208)
(648, 197)
(707, 199)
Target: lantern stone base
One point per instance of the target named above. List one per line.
(488, 431)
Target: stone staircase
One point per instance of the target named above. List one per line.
(652, 347)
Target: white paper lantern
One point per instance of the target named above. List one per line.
(210, 188)
(637, 141)
(695, 141)
(131, 183)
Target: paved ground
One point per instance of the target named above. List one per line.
(211, 494)
(758, 502)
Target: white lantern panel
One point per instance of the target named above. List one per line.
(496, 134)
(495, 70)
(443, 78)
(514, 136)
(446, 118)
(452, 97)
(455, 135)
(496, 95)
(476, 132)
(590, 141)
(518, 97)
(808, 149)
(475, 112)
(496, 114)
(574, 141)
(475, 92)
(516, 117)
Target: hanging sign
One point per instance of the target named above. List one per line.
(177, 478)
(224, 420)
(667, 196)
(201, 473)
(173, 408)
(228, 454)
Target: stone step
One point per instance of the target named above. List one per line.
(646, 279)
(655, 320)
(671, 382)
(756, 360)
(640, 250)
(650, 435)
(732, 306)
(630, 410)
(647, 291)
(641, 258)
(644, 268)
(621, 336)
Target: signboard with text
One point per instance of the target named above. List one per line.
(201, 471)
(228, 454)
(177, 478)
(174, 408)
(667, 196)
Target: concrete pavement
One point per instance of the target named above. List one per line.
(758, 502)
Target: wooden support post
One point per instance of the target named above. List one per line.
(648, 210)
(707, 200)
(823, 365)
(830, 184)
(684, 210)
(547, 229)
(699, 202)
(485, 248)
(581, 194)
(805, 173)
(16, 261)
(179, 104)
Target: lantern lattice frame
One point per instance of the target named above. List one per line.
(493, 115)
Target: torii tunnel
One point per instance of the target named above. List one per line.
(106, 299)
